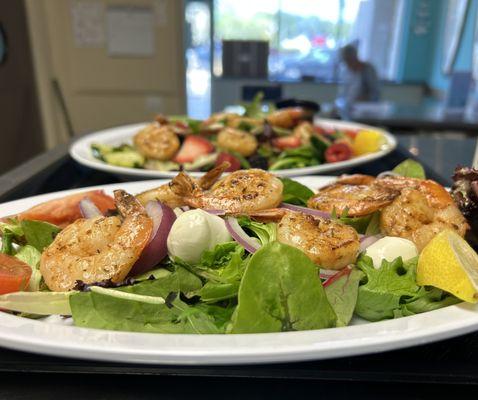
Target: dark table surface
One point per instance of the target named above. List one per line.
(425, 117)
(426, 371)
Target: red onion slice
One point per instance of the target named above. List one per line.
(240, 236)
(88, 209)
(306, 210)
(163, 218)
(337, 276)
(366, 241)
(387, 173)
(327, 273)
(216, 212)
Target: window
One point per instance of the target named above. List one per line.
(305, 35)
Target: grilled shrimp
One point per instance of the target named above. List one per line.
(96, 249)
(241, 191)
(423, 209)
(304, 131)
(241, 122)
(354, 193)
(237, 140)
(286, 117)
(157, 142)
(327, 243)
(218, 121)
(165, 195)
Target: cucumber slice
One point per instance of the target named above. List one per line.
(127, 158)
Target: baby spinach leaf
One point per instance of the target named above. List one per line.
(342, 294)
(281, 291)
(213, 292)
(7, 243)
(39, 234)
(319, 146)
(188, 282)
(294, 192)
(221, 315)
(373, 227)
(411, 169)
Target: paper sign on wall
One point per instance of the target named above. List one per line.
(130, 31)
(88, 23)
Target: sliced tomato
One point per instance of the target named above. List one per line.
(235, 163)
(14, 274)
(65, 210)
(286, 142)
(338, 152)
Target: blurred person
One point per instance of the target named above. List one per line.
(359, 82)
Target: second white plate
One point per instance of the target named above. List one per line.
(81, 152)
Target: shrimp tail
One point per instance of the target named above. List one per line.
(127, 204)
(182, 185)
(209, 178)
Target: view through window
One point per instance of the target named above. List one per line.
(305, 36)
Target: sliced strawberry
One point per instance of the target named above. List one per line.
(338, 152)
(286, 142)
(192, 148)
(235, 163)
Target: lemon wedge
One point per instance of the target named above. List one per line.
(367, 142)
(449, 263)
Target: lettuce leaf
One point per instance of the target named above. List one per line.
(37, 303)
(30, 255)
(391, 291)
(102, 311)
(266, 233)
(221, 269)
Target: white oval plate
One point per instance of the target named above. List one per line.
(81, 152)
(54, 337)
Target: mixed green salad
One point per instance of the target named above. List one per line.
(210, 284)
(274, 140)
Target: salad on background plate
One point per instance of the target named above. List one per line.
(246, 253)
(281, 140)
